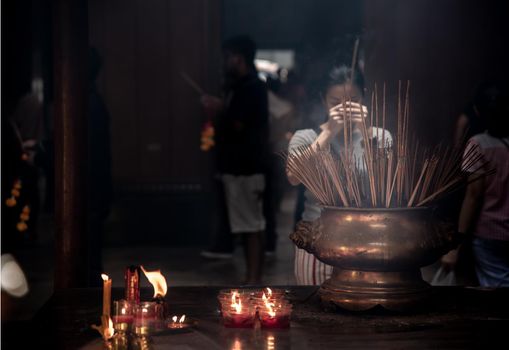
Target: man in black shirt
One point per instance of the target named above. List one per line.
(242, 130)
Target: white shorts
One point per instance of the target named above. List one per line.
(244, 200)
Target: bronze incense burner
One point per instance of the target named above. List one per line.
(376, 254)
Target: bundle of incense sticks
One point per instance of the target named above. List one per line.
(401, 173)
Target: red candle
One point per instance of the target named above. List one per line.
(282, 321)
(239, 320)
(177, 322)
(237, 310)
(273, 311)
(123, 319)
(145, 315)
(147, 320)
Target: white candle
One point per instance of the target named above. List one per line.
(106, 295)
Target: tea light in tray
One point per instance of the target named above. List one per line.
(273, 310)
(144, 318)
(123, 317)
(237, 309)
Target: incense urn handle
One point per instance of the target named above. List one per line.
(306, 233)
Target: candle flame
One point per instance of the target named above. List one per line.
(106, 328)
(109, 331)
(236, 302)
(174, 318)
(104, 277)
(237, 345)
(269, 305)
(182, 319)
(157, 281)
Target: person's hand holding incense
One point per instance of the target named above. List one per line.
(349, 111)
(355, 112)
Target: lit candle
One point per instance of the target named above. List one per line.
(236, 309)
(274, 312)
(106, 295)
(123, 313)
(144, 317)
(177, 323)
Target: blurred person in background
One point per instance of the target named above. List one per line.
(281, 117)
(242, 129)
(484, 216)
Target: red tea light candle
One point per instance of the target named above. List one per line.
(123, 316)
(237, 310)
(276, 321)
(177, 322)
(279, 317)
(239, 320)
(274, 313)
(144, 317)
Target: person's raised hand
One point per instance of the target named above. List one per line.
(352, 111)
(212, 104)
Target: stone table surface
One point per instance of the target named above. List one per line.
(454, 317)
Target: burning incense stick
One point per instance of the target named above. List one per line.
(354, 58)
(192, 83)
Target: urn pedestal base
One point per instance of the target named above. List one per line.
(357, 290)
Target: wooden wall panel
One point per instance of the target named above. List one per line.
(187, 42)
(156, 118)
(152, 82)
(445, 49)
(112, 31)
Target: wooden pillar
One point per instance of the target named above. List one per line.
(70, 58)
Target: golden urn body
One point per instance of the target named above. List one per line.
(376, 254)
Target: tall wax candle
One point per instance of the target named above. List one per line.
(106, 295)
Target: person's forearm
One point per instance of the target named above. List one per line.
(469, 213)
(292, 179)
(323, 140)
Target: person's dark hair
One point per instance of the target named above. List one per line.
(340, 75)
(242, 45)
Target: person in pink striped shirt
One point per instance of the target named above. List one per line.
(484, 216)
(338, 91)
